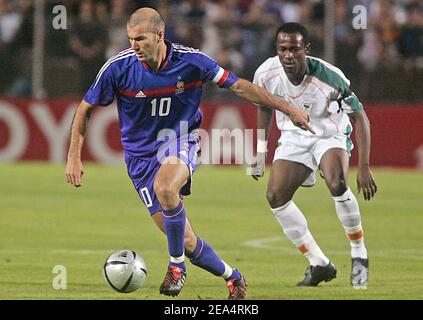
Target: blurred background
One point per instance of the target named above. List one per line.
(45, 71)
(51, 51)
(384, 62)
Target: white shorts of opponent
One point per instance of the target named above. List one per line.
(309, 150)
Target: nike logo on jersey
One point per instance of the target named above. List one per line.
(140, 94)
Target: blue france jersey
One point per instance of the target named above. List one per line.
(149, 101)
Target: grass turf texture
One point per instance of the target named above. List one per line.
(46, 222)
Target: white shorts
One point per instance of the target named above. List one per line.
(309, 150)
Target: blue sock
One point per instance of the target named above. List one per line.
(205, 258)
(174, 224)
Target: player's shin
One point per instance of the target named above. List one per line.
(204, 257)
(295, 227)
(349, 214)
(174, 221)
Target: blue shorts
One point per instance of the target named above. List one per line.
(143, 171)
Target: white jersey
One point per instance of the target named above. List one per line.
(324, 93)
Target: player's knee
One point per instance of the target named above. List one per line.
(164, 191)
(277, 199)
(337, 185)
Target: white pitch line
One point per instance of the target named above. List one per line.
(270, 245)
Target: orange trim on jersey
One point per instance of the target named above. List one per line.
(321, 91)
(303, 248)
(268, 79)
(292, 97)
(274, 68)
(355, 236)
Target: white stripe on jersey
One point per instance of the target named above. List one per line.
(180, 48)
(218, 75)
(122, 55)
(183, 49)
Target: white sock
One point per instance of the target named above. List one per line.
(295, 227)
(356, 237)
(348, 213)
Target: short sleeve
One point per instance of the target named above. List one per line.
(336, 79)
(349, 101)
(103, 90)
(344, 96)
(212, 71)
(258, 80)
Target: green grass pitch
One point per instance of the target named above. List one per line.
(46, 222)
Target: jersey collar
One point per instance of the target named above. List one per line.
(166, 62)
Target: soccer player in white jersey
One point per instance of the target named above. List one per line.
(322, 90)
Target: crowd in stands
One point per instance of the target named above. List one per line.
(383, 61)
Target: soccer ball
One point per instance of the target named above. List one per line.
(125, 271)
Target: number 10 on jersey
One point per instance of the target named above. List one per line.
(164, 107)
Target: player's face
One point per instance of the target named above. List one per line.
(144, 42)
(292, 52)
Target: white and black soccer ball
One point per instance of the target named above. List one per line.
(125, 271)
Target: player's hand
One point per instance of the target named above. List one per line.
(74, 171)
(301, 119)
(256, 169)
(366, 182)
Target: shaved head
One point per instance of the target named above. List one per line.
(149, 15)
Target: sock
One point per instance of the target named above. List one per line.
(348, 213)
(356, 237)
(174, 223)
(205, 258)
(295, 227)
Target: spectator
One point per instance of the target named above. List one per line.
(347, 42)
(10, 22)
(117, 37)
(88, 41)
(411, 39)
(21, 49)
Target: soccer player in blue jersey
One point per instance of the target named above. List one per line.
(158, 85)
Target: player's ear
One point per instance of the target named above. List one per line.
(160, 35)
(307, 48)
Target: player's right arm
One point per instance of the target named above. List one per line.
(74, 169)
(211, 71)
(101, 93)
(249, 91)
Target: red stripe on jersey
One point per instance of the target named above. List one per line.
(223, 78)
(172, 90)
(128, 93)
(161, 91)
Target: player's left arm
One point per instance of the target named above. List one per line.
(365, 179)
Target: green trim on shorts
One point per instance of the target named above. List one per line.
(349, 141)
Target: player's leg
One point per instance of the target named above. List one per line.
(170, 178)
(334, 166)
(285, 178)
(202, 255)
